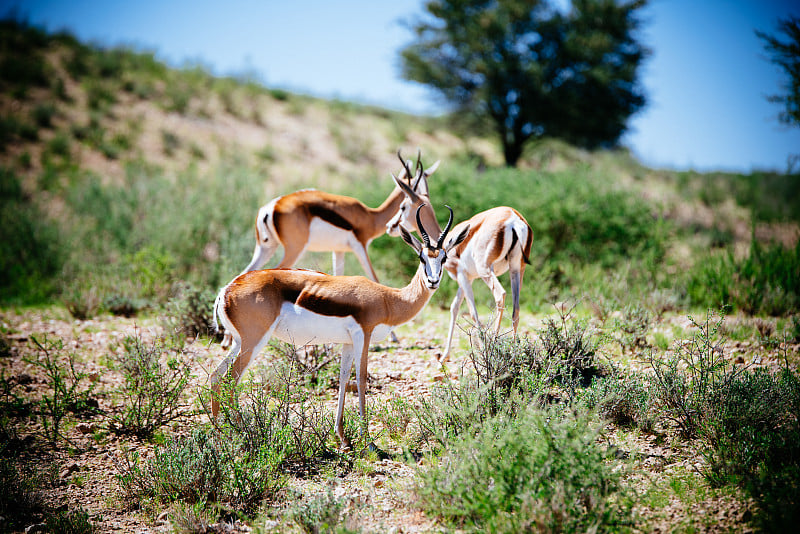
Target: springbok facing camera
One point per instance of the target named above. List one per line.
(308, 307)
(499, 240)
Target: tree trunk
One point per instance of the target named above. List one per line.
(512, 150)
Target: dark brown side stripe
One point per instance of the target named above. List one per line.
(329, 216)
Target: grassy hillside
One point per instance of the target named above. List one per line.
(116, 167)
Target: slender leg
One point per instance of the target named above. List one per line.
(499, 295)
(361, 253)
(338, 263)
(348, 357)
(221, 371)
(516, 284)
(454, 307)
(292, 252)
(466, 285)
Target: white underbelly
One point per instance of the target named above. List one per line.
(323, 236)
(301, 327)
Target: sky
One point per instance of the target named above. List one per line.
(707, 79)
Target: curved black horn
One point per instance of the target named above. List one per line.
(422, 231)
(446, 228)
(405, 166)
(419, 169)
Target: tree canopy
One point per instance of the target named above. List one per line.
(532, 70)
(786, 54)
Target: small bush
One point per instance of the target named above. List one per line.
(204, 467)
(189, 313)
(70, 522)
(752, 435)
(533, 473)
(155, 375)
(244, 460)
(625, 399)
(686, 382)
(43, 115)
(322, 514)
(21, 495)
(65, 383)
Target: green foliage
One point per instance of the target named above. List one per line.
(43, 114)
(752, 436)
(67, 392)
(204, 467)
(21, 494)
(510, 374)
(189, 312)
(31, 253)
(686, 381)
(320, 515)
(155, 377)
(783, 51)
(624, 398)
(242, 460)
(70, 522)
(535, 472)
(531, 70)
(765, 281)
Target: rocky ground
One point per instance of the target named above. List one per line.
(379, 493)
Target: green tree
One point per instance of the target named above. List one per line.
(532, 70)
(786, 54)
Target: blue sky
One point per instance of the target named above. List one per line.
(707, 79)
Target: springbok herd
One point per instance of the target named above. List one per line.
(306, 307)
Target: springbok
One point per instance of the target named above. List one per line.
(499, 240)
(308, 307)
(311, 220)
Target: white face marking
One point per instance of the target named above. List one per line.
(323, 236)
(433, 268)
(400, 219)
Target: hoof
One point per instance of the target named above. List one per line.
(382, 455)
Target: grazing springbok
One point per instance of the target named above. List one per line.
(311, 220)
(499, 240)
(308, 307)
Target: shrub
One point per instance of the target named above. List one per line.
(204, 467)
(189, 313)
(155, 378)
(31, 251)
(70, 522)
(322, 514)
(533, 473)
(21, 495)
(66, 390)
(752, 438)
(243, 460)
(686, 382)
(624, 398)
(510, 374)
(43, 115)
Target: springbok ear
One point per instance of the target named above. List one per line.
(406, 189)
(432, 169)
(412, 241)
(455, 241)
